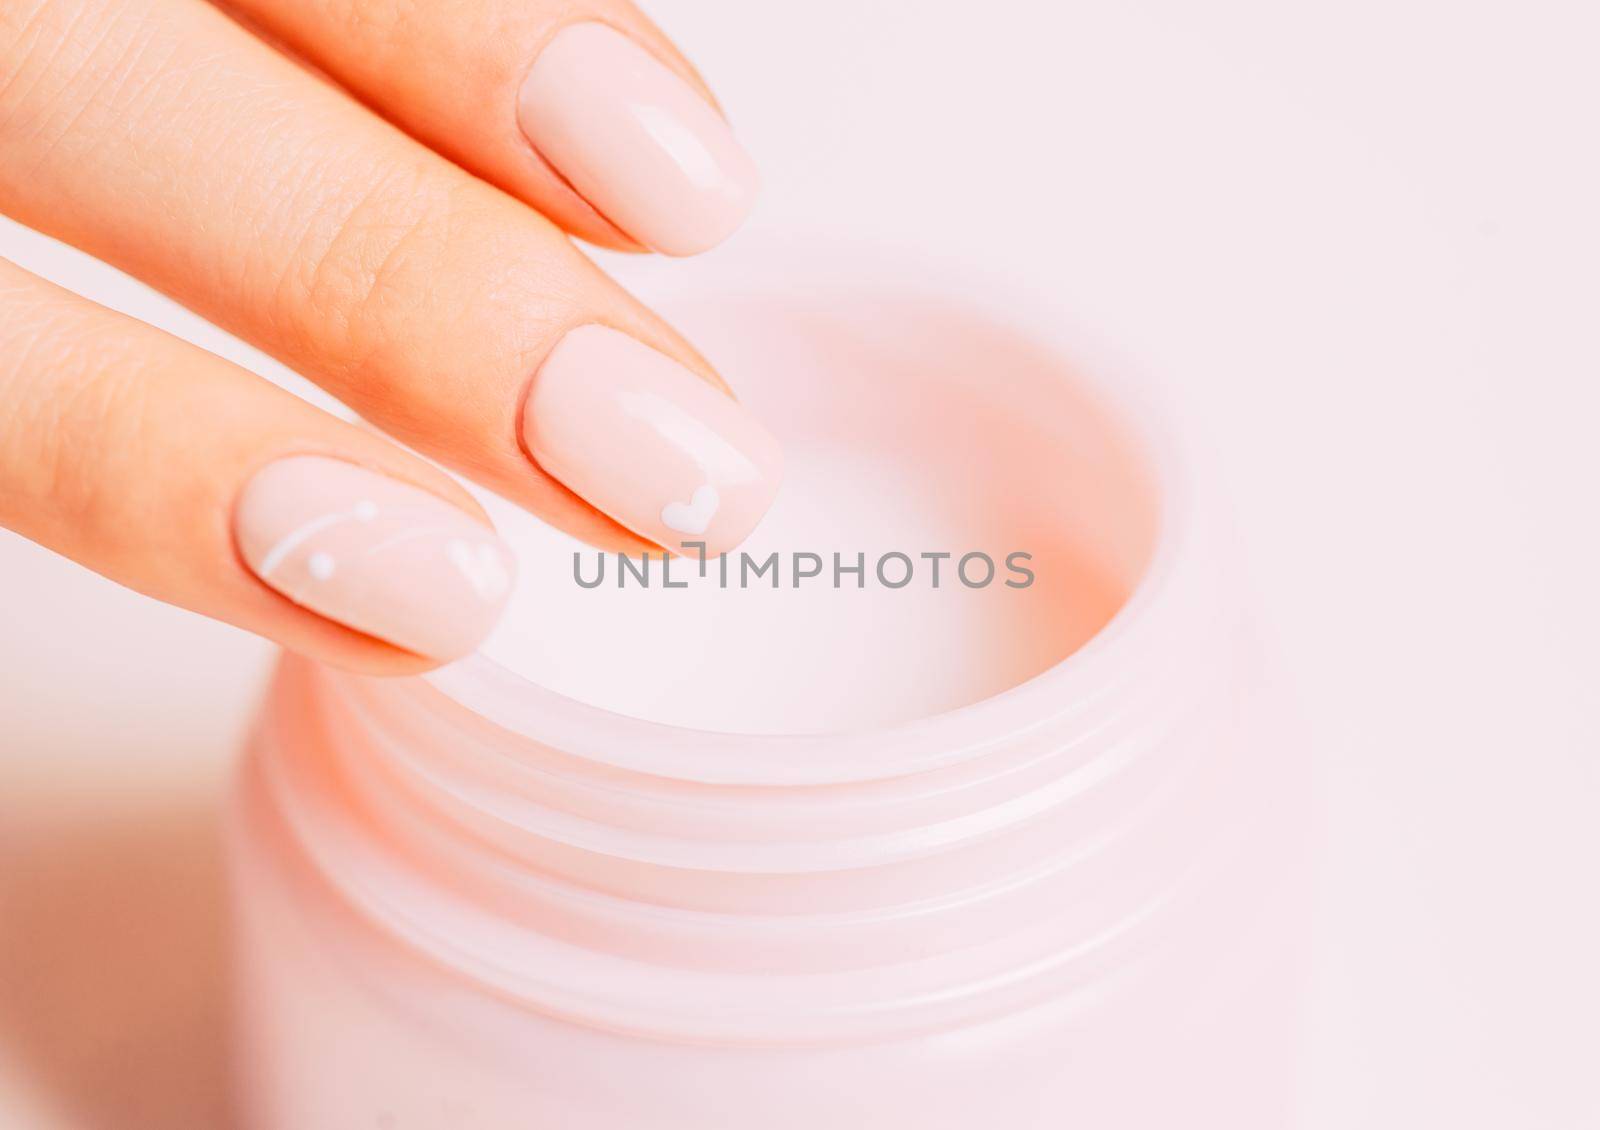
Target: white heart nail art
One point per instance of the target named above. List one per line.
(481, 565)
(694, 516)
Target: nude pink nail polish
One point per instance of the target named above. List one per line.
(374, 554)
(636, 141)
(646, 441)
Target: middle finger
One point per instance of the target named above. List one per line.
(162, 137)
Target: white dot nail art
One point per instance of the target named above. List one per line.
(374, 554)
(364, 511)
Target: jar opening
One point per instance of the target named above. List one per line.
(961, 513)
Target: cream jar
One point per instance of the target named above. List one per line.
(853, 854)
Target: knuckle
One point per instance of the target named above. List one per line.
(418, 290)
(78, 420)
(98, 430)
(360, 275)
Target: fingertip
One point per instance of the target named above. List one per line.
(382, 557)
(636, 140)
(648, 442)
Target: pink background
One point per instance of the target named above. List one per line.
(1359, 240)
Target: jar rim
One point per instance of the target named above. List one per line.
(533, 712)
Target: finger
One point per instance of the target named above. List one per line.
(584, 110)
(159, 135)
(184, 477)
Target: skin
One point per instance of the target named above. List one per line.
(393, 238)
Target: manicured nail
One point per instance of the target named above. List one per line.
(636, 141)
(646, 441)
(373, 553)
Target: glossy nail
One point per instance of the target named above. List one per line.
(646, 441)
(375, 554)
(636, 141)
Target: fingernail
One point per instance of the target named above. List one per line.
(646, 441)
(636, 141)
(374, 554)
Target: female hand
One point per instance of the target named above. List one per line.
(401, 242)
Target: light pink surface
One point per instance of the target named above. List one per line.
(377, 555)
(1384, 321)
(636, 141)
(644, 440)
